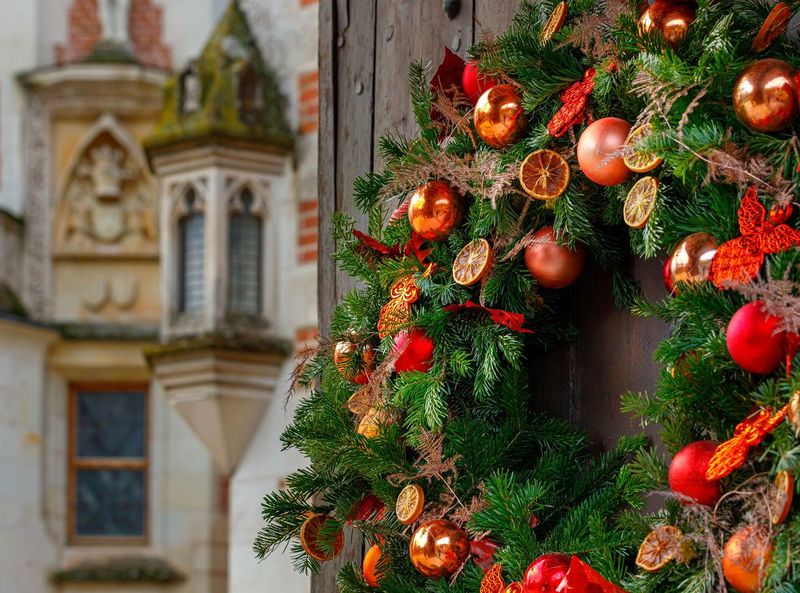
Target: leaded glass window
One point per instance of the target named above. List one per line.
(244, 257)
(108, 464)
(191, 233)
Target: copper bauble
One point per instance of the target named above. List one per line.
(745, 559)
(434, 210)
(499, 117)
(438, 548)
(355, 372)
(765, 96)
(600, 151)
(671, 19)
(691, 260)
(553, 265)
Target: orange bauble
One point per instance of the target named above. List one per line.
(434, 210)
(499, 117)
(515, 587)
(765, 96)
(600, 153)
(343, 354)
(370, 566)
(553, 265)
(745, 559)
(690, 261)
(438, 548)
(671, 19)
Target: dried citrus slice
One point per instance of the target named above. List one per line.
(472, 262)
(544, 174)
(781, 495)
(773, 27)
(662, 545)
(555, 22)
(410, 503)
(639, 161)
(371, 423)
(640, 202)
(309, 538)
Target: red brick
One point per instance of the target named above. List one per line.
(308, 206)
(310, 222)
(308, 2)
(308, 257)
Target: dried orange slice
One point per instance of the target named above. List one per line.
(555, 22)
(309, 538)
(544, 174)
(370, 424)
(662, 545)
(472, 262)
(640, 202)
(781, 495)
(639, 161)
(409, 504)
(773, 27)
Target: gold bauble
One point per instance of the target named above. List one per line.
(765, 96)
(670, 18)
(794, 410)
(351, 371)
(499, 117)
(745, 559)
(434, 210)
(438, 548)
(691, 260)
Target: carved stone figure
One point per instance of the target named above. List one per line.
(191, 90)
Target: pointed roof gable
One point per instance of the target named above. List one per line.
(227, 92)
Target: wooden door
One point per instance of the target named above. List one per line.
(365, 50)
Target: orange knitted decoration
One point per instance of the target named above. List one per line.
(493, 580)
(740, 259)
(732, 454)
(575, 99)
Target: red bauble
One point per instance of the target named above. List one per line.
(369, 508)
(666, 275)
(417, 351)
(600, 151)
(687, 473)
(553, 265)
(545, 574)
(753, 339)
(474, 83)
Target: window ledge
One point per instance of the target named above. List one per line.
(119, 569)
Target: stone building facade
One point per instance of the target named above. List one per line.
(158, 248)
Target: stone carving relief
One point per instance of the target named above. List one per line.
(118, 292)
(108, 201)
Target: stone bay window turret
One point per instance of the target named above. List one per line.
(222, 158)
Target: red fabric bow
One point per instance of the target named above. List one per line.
(513, 321)
(582, 578)
(412, 247)
(575, 99)
(740, 259)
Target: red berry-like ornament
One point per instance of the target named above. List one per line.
(417, 351)
(687, 473)
(754, 340)
(474, 83)
(545, 574)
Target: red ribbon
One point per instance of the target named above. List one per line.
(412, 247)
(575, 99)
(740, 259)
(513, 321)
(582, 578)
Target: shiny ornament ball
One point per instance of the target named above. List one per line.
(553, 265)
(666, 276)
(745, 559)
(672, 19)
(369, 567)
(416, 350)
(343, 354)
(438, 548)
(690, 261)
(754, 341)
(499, 117)
(687, 473)
(544, 575)
(765, 96)
(474, 83)
(600, 151)
(514, 588)
(434, 210)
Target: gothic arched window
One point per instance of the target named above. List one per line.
(244, 256)
(191, 234)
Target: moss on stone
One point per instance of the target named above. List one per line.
(125, 569)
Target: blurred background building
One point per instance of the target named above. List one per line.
(157, 276)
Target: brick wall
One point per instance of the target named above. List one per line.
(146, 33)
(308, 2)
(308, 83)
(307, 232)
(305, 338)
